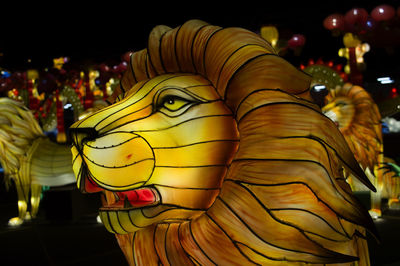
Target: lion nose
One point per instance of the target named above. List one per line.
(79, 135)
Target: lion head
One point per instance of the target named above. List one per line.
(213, 153)
(358, 118)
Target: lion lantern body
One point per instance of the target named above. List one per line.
(29, 158)
(213, 153)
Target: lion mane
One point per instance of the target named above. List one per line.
(284, 198)
(18, 130)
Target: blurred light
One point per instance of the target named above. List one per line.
(21, 204)
(394, 90)
(68, 105)
(319, 87)
(385, 80)
(5, 74)
(378, 219)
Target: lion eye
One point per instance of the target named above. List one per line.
(174, 103)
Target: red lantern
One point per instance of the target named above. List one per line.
(104, 68)
(320, 61)
(334, 22)
(356, 16)
(383, 13)
(297, 40)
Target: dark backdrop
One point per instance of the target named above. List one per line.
(102, 31)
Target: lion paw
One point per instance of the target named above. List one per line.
(394, 204)
(16, 221)
(28, 216)
(375, 213)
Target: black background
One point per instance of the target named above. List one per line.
(103, 31)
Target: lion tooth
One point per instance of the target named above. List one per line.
(116, 197)
(127, 204)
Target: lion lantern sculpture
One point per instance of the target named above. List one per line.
(213, 153)
(29, 158)
(357, 116)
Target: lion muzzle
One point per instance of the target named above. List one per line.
(108, 160)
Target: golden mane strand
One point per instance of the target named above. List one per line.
(284, 198)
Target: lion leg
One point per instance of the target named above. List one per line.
(36, 191)
(22, 192)
(376, 198)
(394, 202)
(375, 210)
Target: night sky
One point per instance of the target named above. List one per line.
(103, 32)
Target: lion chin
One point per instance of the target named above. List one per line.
(213, 153)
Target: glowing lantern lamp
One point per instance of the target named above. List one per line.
(232, 166)
(270, 33)
(383, 13)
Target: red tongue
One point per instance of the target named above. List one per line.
(138, 196)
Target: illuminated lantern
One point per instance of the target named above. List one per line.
(361, 49)
(270, 33)
(29, 158)
(383, 13)
(58, 63)
(356, 16)
(334, 22)
(358, 118)
(328, 76)
(354, 53)
(297, 40)
(218, 156)
(350, 40)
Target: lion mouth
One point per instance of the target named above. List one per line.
(131, 199)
